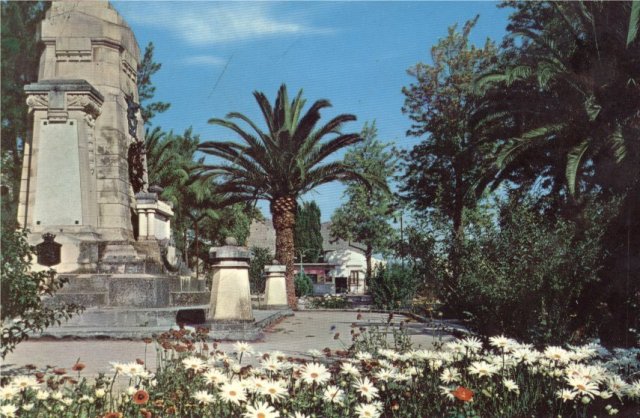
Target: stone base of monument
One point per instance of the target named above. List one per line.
(130, 323)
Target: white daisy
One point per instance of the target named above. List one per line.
(204, 397)
(449, 375)
(8, 392)
(350, 369)
(233, 392)
(365, 388)
(315, 373)
(8, 410)
(261, 410)
(511, 385)
(367, 411)
(333, 394)
(194, 363)
(215, 377)
(25, 382)
(483, 369)
(276, 390)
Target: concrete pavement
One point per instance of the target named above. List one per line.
(293, 336)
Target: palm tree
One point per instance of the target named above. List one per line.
(568, 95)
(280, 164)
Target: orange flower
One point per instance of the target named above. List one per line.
(146, 413)
(113, 415)
(140, 361)
(464, 394)
(141, 397)
(78, 367)
(59, 372)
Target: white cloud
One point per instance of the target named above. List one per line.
(204, 60)
(205, 23)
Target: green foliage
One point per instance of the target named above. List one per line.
(532, 278)
(364, 217)
(146, 90)
(260, 257)
(20, 58)
(576, 64)
(374, 338)
(303, 284)
(306, 234)
(392, 286)
(23, 309)
(441, 171)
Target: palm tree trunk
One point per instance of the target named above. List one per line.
(283, 212)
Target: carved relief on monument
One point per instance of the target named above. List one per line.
(129, 65)
(86, 103)
(38, 101)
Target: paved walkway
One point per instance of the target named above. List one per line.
(293, 335)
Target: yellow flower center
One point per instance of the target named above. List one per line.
(261, 415)
(581, 387)
(232, 393)
(314, 375)
(272, 391)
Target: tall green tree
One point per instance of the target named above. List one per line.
(146, 90)
(306, 234)
(281, 163)
(20, 58)
(364, 217)
(441, 172)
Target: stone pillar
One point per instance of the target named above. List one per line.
(142, 224)
(151, 223)
(230, 295)
(275, 287)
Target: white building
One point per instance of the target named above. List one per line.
(344, 265)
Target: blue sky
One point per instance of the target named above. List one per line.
(355, 54)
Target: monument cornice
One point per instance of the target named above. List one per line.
(59, 97)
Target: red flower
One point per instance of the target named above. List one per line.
(141, 397)
(113, 415)
(464, 394)
(78, 367)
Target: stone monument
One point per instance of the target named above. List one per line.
(230, 292)
(84, 195)
(275, 294)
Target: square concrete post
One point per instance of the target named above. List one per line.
(275, 287)
(230, 294)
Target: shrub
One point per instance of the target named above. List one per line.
(22, 310)
(260, 257)
(530, 278)
(392, 286)
(304, 285)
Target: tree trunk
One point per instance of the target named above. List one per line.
(283, 212)
(368, 254)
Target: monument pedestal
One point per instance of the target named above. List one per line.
(275, 293)
(230, 292)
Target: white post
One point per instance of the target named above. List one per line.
(142, 224)
(151, 224)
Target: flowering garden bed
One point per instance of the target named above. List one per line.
(463, 378)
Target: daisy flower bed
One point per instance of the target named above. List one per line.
(463, 378)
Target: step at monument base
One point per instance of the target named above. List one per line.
(128, 323)
(128, 290)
